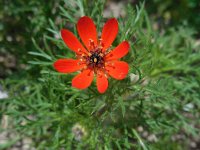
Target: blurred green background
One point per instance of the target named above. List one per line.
(165, 44)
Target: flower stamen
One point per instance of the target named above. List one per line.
(91, 44)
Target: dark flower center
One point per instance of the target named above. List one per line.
(95, 59)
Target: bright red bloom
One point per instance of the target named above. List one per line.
(95, 59)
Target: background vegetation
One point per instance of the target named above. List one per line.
(156, 107)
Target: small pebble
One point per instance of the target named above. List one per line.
(134, 78)
(140, 129)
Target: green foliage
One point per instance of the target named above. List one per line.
(171, 12)
(20, 21)
(160, 94)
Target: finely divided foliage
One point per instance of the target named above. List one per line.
(158, 99)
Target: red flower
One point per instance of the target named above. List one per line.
(95, 59)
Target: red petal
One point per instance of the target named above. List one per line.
(102, 82)
(117, 69)
(67, 65)
(71, 41)
(109, 33)
(87, 31)
(83, 80)
(120, 51)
